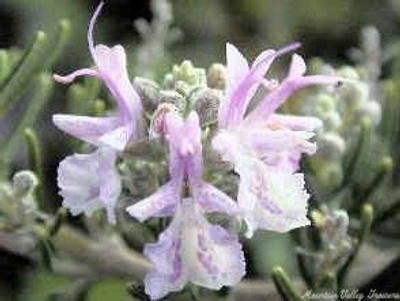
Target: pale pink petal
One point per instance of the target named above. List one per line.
(237, 66)
(161, 203)
(94, 130)
(263, 141)
(117, 138)
(288, 87)
(111, 63)
(297, 66)
(90, 182)
(244, 86)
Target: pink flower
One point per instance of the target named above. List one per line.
(265, 147)
(90, 182)
(190, 249)
(116, 131)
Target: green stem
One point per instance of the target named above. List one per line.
(36, 163)
(386, 214)
(104, 258)
(365, 131)
(367, 215)
(284, 285)
(301, 260)
(34, 153)
(383, 169)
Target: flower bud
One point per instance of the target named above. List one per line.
(325, 103)
(353, 94)
(216, 76)
(318, 219)
(24, 182)
(148, 92)
(348, 72)
(331, 174)
(331, 146)
(332, 121)
(172, 97)
(185, 72)
(158, 127)
(206, 103)
(371, 110)
(341, 221)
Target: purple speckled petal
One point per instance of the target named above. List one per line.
(191, 249)
(212, 256)
(169, 274)
(211, 199)
(89, 182)
(271, 198)
(161, 203)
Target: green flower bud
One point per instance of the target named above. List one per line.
(148, 92)
(371, 110)
(173, 97)
(332, 121)
(24, 182)
(331, 146)
(216, 76)
(187, 73)
(348, 72)
(206, 102)
(325, 103)
(353, 94)
(158, 126)
(331, 174)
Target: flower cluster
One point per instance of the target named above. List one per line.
(263, 147)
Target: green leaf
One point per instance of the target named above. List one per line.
(41, 96)
(59, 43)
(18, 81)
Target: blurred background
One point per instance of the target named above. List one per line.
(328, 29)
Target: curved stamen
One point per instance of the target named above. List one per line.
(91, 26)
